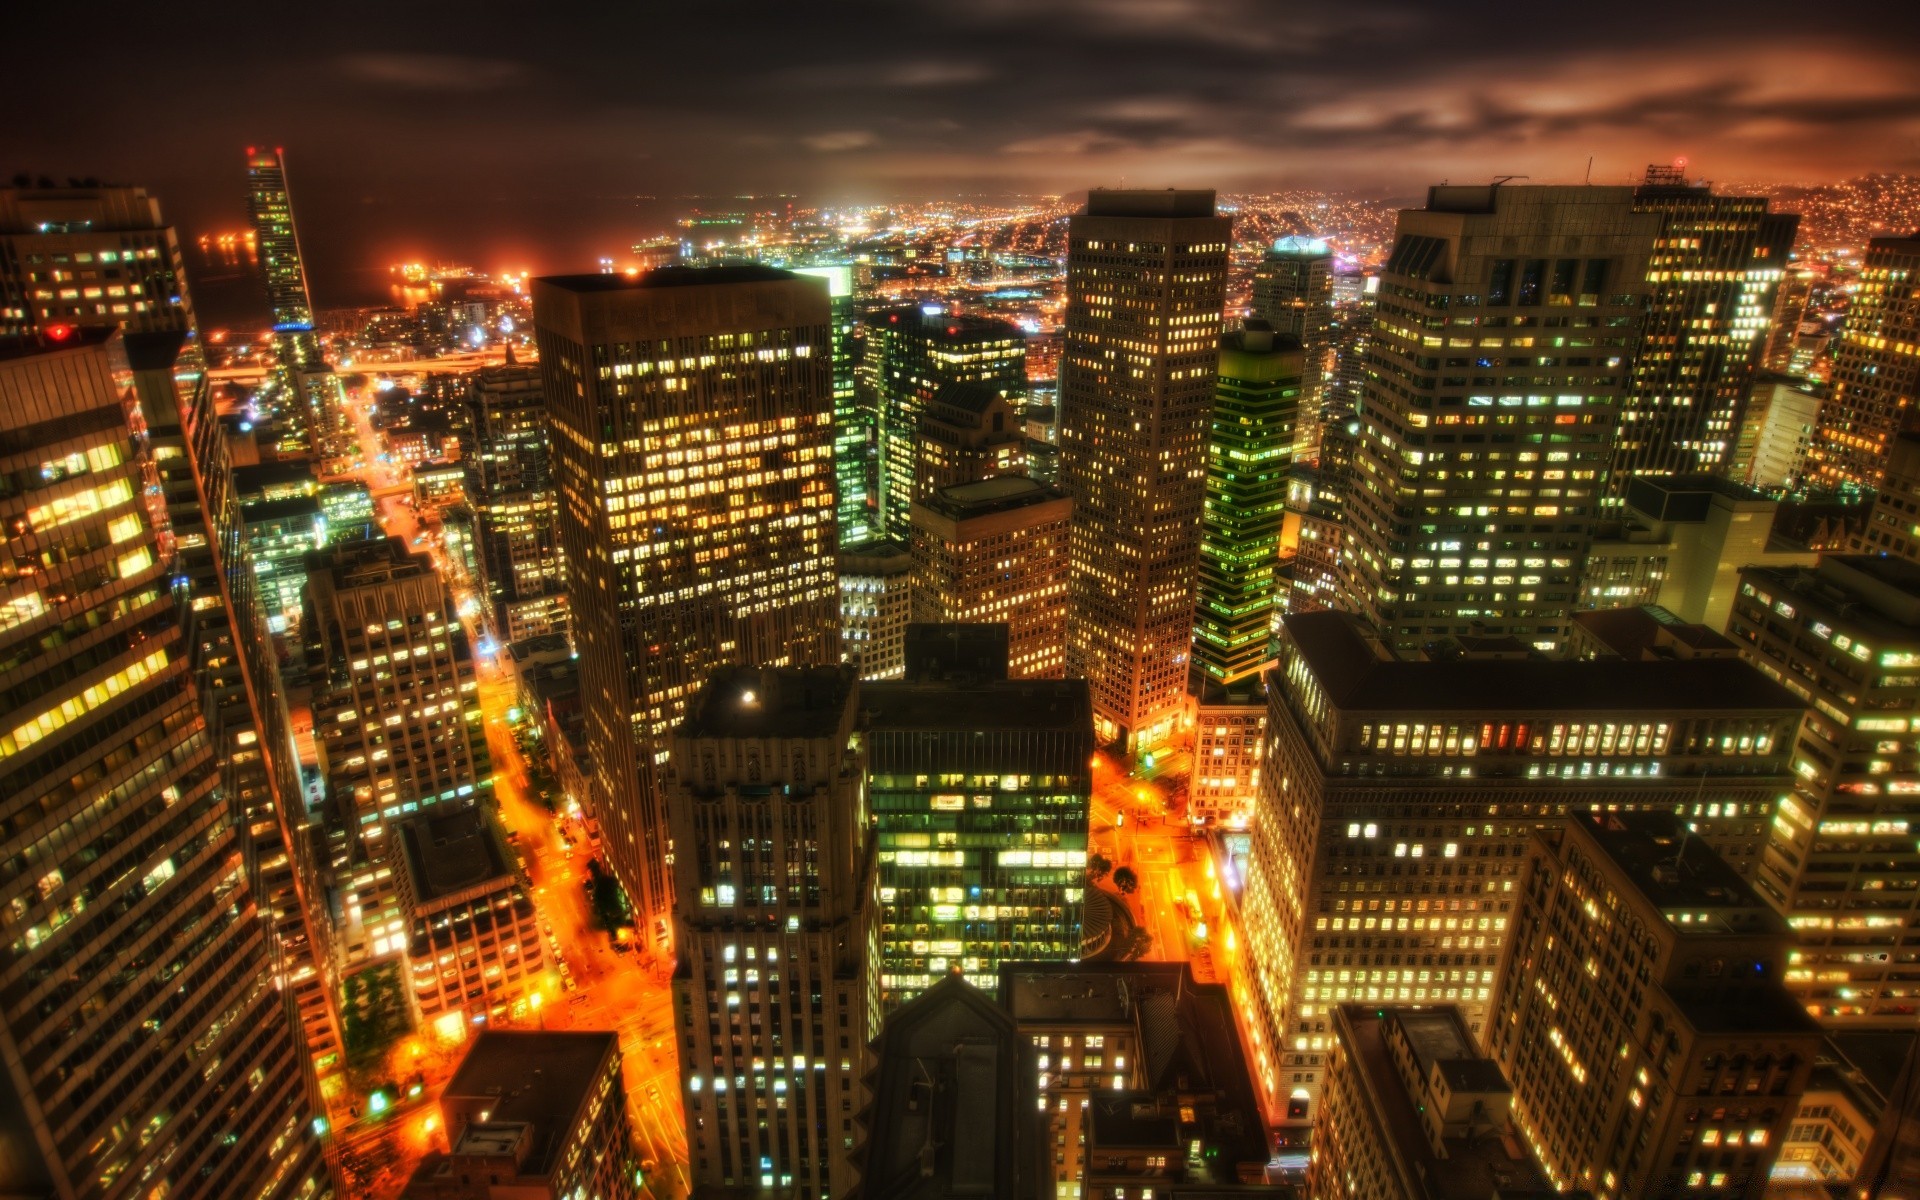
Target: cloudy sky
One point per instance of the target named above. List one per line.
(521, 132)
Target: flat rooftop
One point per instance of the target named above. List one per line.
(1438, 1039)
(1018, 705)
(1137, 202)
(451, 853)
(1678, 872)
(763, 702)
(984, 497)
(1359, 674)
(668, 277)
(539, 1079)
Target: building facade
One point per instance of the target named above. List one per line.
(1845, 638)
(691, 414)
(1261, 398)
(969, 432)
(876, 602)
(509, 482)
(776, 995)
(1498, 364)
(998, 552)
(1293, 293)
(1677, 1069)
(1876, 370)
(474, 947)
(1398, 794)
(853, 434)
(1146, 283)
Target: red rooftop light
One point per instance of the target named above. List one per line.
(59, 333)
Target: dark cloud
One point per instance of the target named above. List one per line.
(490, 130)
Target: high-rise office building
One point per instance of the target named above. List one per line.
(534, 1116)
(1640, 1016)
(1876, 371)
(114, 240)
(876, 603)
(1845, 638)
(1775, 434)
(691, 415)
(1293, 293)
(396, 721)
(914, 354)
(777, 992)
(1716, 266)
(979, 792)
(1397, 794)
(969, 432)
(998, 552)
(1146, 283)
(270, 211)
(1258, 402)
(1893, 523)
(510, 485)
(1500, 356)
(855, 506)
(132, 906)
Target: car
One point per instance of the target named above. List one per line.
(653, 1091)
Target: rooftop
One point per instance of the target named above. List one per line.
(665, 277)
(983, 497)
(1437, 1038)
(1676, 871)
(1360, 674)
(1020, 705)
(767, 702)
(451, 853)
(1879, 595)
(877, 556)
(537, 1078)
(1169, 202)
(1650, 631)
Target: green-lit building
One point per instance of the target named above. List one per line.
(979, 794)
(348, 507)
(280, 534)
(911, 354)
(853, 435)
(1250, 450)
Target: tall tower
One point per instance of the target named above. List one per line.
(148, 1045)
(510, 485)
(1255, 408)
(852, 432)
(270, 209)
(1146, 283)
(1293, 292)
(1716, 266)
(917, 353)
(1876, 372)
(1501, 353)
(691, 413)
(776, 910)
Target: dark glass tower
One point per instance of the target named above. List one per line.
(270, 209)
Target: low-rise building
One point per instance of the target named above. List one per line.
(475, 952)
(1230, 728)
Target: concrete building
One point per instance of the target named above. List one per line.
(1293, 294)
(474, 941)
(980, 790)
(854, 436)
(1876, 371)
(1647, 633)
(1893, 524)
(1131, 1049)
(1845, 639)
(776, 993)
(1261, 396)
(533, 1116)
(1681, 545)
(969, 432)
(1229, 739)
(703, 534)
(1776, 433)
(1414, 1111)
(1717, 264)
(396, 721)
(1841, 1116)
(1480, 472)
(914, 354)
(1146, 282)
(998, 552)
(951, 1110)
(876, 603)
(91, 258)
(1640, 1017)
(509, 482)
(1398, 793)
(131, 896)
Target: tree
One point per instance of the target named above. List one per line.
(1126, 881)
(1097, 866)
(1133, 943)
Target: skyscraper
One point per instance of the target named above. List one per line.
(969, 432)
(1717, 263)
(90, 257)
(147, 1040)
(270, 210)
(775, 904)
(510, 485)
(1876, 372)
(915, 353)
(1640, 1016)
(1293, 293)
(876, 603)
(692, 420)
(1502, 350)
(1256, 406)
(1146, 283)
(998, 552)
(1402, 789)
(853, 435)
(1845, 638)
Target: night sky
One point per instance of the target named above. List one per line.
(520, 135)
